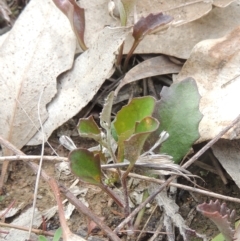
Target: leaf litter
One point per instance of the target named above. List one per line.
(217, 58)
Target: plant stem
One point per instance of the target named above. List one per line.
(119, 57)
(129, 55)
(112, 195)
(125, 190)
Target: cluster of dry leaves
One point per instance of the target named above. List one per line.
(41, 80)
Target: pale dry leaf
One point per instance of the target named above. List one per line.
(214, 64)
(159, 65)
(175, 40)
(78, 86)
(32, 55)
(222, 3)
(179, 41)
(24, 220)
(227, 152)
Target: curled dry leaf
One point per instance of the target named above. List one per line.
(32, 55)
(214, 64)
(159, 65)
(227, 152)
(76, 16)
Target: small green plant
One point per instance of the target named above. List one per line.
(124, 138)
(136, 132)
(57, 236)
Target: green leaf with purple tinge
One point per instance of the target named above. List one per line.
(86, 166)
(124, 124)
(179, 115)
(134, 145)
(135, 111)
(151, 24)
(221, 216)
(87, 127)
(76, 16)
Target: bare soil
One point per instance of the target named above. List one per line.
(21, 182)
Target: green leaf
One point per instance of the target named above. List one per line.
(86, 166)
(134, 145)
(87, 127)
(125, 7)
(57, 234)
(179, 115)
(125, 122)
(42, 238)
(135, 111)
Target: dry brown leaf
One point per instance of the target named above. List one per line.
(154, 66)
(32, 55)
(227, 152)
(179, 41)
(214, 64)
(176, 41)
(78, 86)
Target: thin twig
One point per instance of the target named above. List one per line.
(145, 178)
(34, 166)
(136, 210)
(39, 169)
(170, 179)
(36, 231)
(210, 143)
(187, 188)
(83, 209)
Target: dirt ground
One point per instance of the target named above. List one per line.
(21, 181)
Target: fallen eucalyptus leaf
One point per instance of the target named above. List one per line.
(180, 40)
(32, 55)
(218, 84)
(159, 65)
(227, 152)
(78, 86)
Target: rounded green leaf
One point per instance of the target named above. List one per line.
(179, 115)
(134, 145)
(86, 166)
(87, 127)
(135, 111)
(148, 124)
